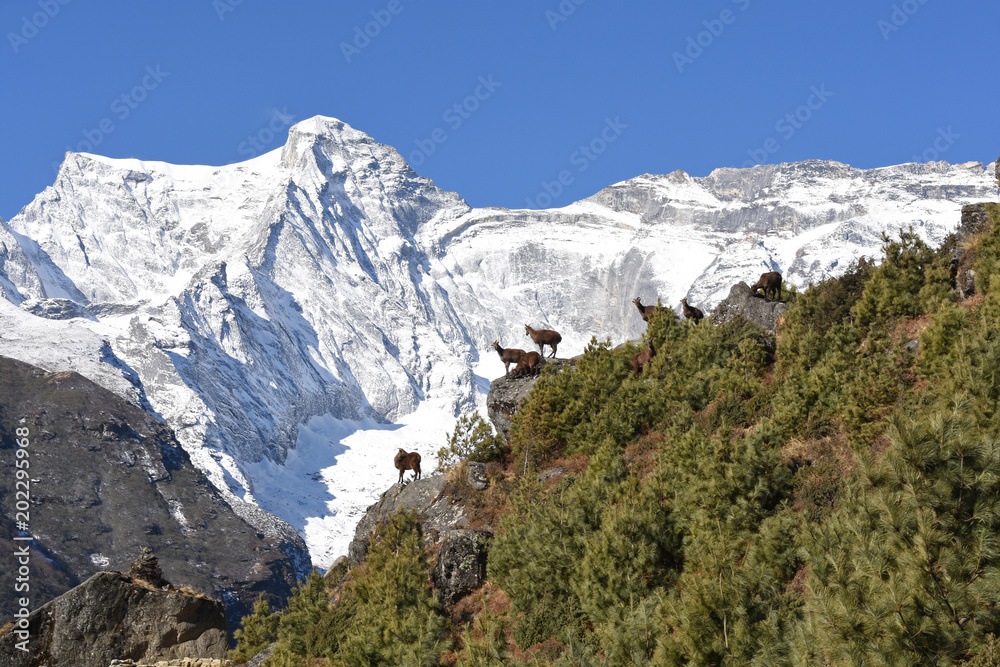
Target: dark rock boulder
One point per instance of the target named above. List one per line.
(461, 564)
(558, 471)
(477, 475)
(114, 617)
(436, 513)
(975, 220)
(751, 307)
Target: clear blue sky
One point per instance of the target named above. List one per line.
(643, 86)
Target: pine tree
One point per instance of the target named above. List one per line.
(396, 619)
(487, 647)
(473, 440)
(258, 630)
(306, 608)
(908, 569)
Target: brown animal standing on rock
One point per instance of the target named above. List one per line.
(528, 365)
(543, 337)
(507, 356)
(770, 282)
(690, 312)
(645, 311)
(407, 461)
(641, 359)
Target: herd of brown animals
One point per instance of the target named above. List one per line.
(527, 363)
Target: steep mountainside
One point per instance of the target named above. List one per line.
(106, 480)
(327, 280)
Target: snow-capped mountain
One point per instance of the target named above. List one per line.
(275, 310)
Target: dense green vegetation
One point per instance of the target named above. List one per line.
(829, 498)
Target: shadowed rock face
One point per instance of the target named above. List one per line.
(106, 480)
(461, 564)
(111, 616)
(754, 308)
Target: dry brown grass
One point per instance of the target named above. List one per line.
(466, 610)
(640, 456)
(798, 452)
(169, 588)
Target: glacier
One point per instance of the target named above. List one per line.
(297, 317)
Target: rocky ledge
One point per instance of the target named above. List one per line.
(461, 553)
(435, 511)
(116, 616)
(752, 307)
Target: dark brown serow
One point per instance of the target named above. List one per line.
(407, 461)
(528, 365)
(508, 356)
(769, 282)
(641, 359)
(645, 311)
(543, 337)
(690, 312)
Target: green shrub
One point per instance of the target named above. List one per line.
(258, 630)
(396, 619)
(472, 440)
(911, 280)
(907, 569)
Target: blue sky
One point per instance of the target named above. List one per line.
(555, 98)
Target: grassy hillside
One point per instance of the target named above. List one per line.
(831, 497)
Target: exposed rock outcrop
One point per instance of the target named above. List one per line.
(112, 616)
(507, 393)
(57, 309)
(976, 219)
(461, 564)
(754, 308)
(477, 476)
(436, 512)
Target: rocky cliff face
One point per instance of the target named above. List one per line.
(114, 616)
(436, 512)
(106, 480)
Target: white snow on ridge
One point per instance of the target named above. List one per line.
(297, 317)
